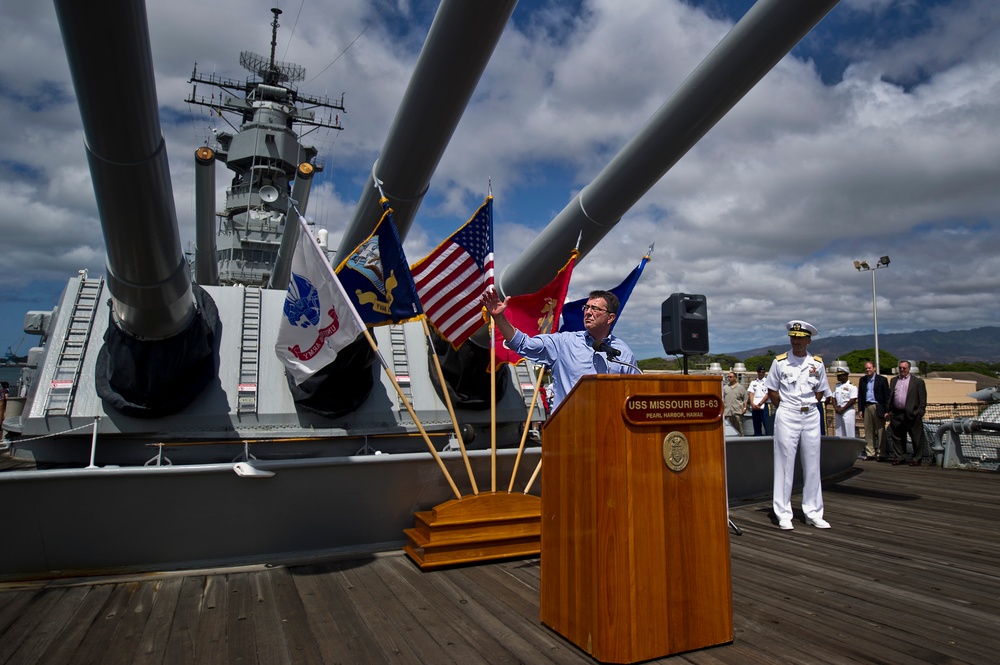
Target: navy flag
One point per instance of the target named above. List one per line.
(377, 277)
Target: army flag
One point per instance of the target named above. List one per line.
(319, 319)
(535, 313)
(451, 280)
(377, 277)
(572, 312)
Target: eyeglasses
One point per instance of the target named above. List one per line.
(593, 308)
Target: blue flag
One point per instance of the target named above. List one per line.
(572, 312)
(377, 279)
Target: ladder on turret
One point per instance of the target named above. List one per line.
(69, 362)
(249, 351)
(525, 376)
(400, 363)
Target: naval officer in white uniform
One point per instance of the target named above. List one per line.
(794, 383)
(845, 396)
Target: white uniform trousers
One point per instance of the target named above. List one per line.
(797, 430)
(843, 423)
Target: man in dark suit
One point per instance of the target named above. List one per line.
(873, 404)
(907, 405)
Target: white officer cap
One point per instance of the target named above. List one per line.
(800, 329)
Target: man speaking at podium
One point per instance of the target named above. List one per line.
(571, 355)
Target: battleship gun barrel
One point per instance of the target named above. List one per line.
(107, 45)
(300, 196)
(159, 347)
(768, 31)
(206, 259)
(458, 47)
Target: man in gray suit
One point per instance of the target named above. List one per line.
(907, 404)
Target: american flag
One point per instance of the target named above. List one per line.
(452, 278)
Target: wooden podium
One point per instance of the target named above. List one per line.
(635, 537)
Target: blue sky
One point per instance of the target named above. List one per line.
(877, 135)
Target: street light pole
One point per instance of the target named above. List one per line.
(878, 368)
(883, 262)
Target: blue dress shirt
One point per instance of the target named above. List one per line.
(571, 355)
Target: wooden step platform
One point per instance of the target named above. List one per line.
(479, 527)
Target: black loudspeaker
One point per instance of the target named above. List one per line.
(684, 325)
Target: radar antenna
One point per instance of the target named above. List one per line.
(267, 72)
(271, 71)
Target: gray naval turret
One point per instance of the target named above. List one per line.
(192, 364)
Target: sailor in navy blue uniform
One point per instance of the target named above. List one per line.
(794, 383)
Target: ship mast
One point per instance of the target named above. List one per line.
(274, 36)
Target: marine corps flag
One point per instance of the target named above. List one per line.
(318, 318)
(377, 277)
(572, 312)
(535, 313)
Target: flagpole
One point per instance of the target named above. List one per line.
(451, 409)
(413, 415)
(531, 481)
(524, 431)
(493, 408)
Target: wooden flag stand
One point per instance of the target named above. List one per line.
(480, 527)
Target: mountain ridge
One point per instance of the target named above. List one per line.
(975, 345)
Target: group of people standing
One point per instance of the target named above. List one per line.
(892, 411)
(796, 384)
(736, 399)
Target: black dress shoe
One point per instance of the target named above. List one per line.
(897, 462)
(882, 459)
(915, 462)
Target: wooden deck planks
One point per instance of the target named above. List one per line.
(299, 641)
(458, 630)
(181, 645)
(210, 640)
(908, 574)
(52, 617)
(156, 633)
(331, 619)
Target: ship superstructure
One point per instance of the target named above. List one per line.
(265, 155)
